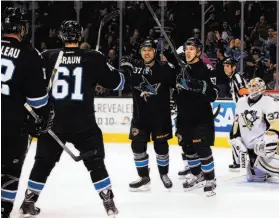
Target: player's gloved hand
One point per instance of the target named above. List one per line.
(46, 124)
(41, 125)
(126, 64)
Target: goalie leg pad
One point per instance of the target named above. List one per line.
(268, 165)
(254, 174)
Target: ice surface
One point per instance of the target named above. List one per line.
(69, 192)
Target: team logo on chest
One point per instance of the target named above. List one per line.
(249, 118)
(147, 89)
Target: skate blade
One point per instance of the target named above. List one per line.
(112, 214)
(237, 170)
(181, 176)
(197, 186)
(27, 215)
(210, 194)
(144, 188)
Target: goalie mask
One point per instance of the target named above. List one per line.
(256, 88)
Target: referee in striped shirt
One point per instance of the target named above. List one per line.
(238, 89)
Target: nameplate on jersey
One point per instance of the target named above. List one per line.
(10, 52)
(71, 60)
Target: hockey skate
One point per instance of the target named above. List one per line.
(166, 181)
(142, 184)
(27, 208)
(184, 172)
(107, 197)
(234, 167)
(193, 182)
(209, 188)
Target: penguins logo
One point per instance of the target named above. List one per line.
(147, 89)
(249, 118)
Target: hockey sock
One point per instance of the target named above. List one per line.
(141, 161)
(36, 188)
(163, 163)
(194, 163)
(99, 174)
(193, 159)
(207, 162)
(9, 186)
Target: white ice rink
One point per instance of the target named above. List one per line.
(69, 192)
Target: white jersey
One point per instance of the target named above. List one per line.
(252, 119)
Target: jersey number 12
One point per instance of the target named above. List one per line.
(60, 89)
(7, 71)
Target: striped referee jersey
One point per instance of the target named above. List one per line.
(238, 86)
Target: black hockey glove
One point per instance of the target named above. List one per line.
(41, 125)
(126, 64)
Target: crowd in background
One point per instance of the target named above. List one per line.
(181, 21)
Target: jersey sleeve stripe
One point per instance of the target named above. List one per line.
(37, 102)
(122, 82)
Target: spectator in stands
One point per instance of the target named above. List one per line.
(271, 85)
(222, 80)
(255, 66)
(112, 58)
(196, 33)
(226, 32)
(211, 45)
(53, 40)
(85, 45)
(261, 28)
(234, 51)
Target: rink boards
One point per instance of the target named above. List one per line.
(113, 115)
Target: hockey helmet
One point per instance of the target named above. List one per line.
(148, 44)
(194, 42)
(256, 87)
(70, 31)
(230, 61)
(13, 20)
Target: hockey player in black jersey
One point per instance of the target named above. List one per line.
(73, 95)
(151, 81)
(195, 122)
(22, 80)
(239, 89)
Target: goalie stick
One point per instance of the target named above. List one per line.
(103, 22)
(50, 132)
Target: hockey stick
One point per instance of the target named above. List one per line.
(36, 117)
(181, 64)
(103, 22)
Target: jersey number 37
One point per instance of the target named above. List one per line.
(60, 89)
